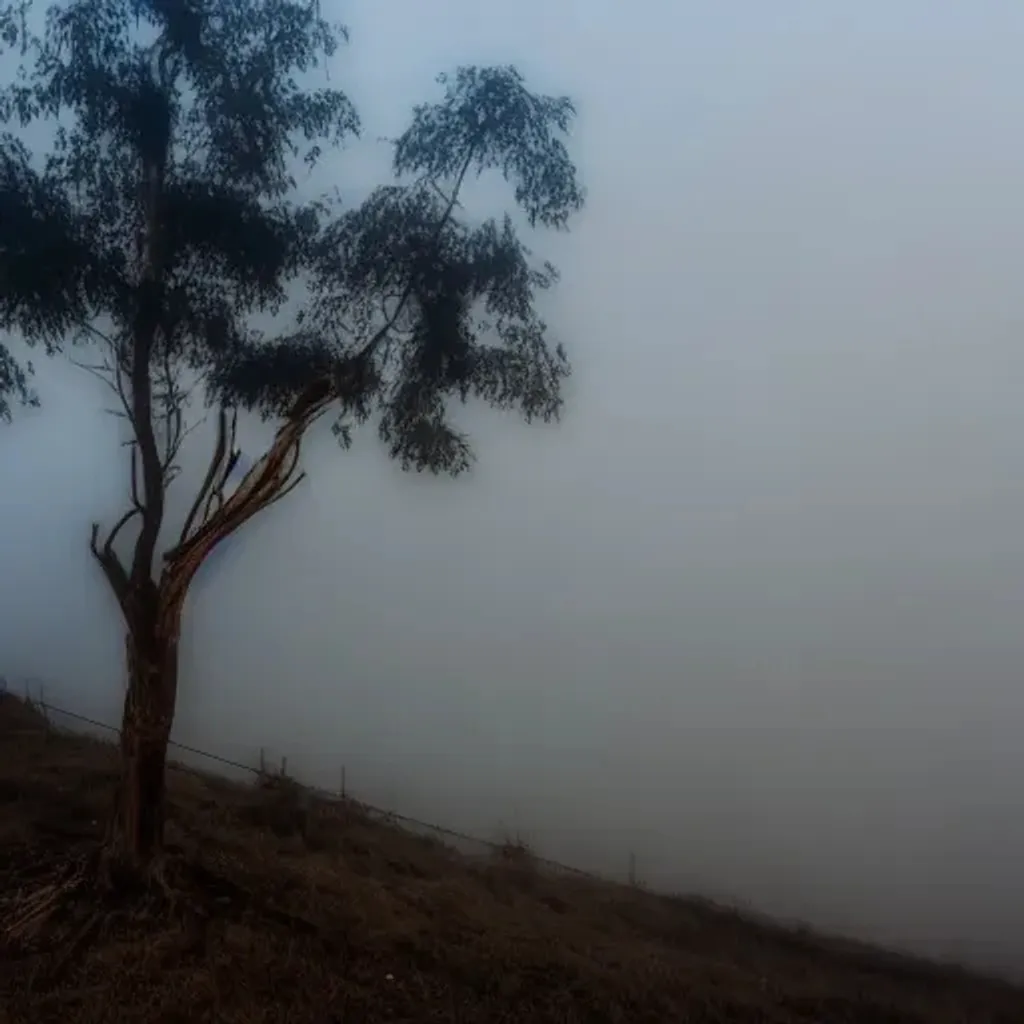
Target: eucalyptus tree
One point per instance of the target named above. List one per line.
(162, 222)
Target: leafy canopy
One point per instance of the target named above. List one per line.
(164, 216)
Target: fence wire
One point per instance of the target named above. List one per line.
(382, 813)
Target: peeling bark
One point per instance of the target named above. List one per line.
(136, 829)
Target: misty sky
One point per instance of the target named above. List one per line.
(754, 610)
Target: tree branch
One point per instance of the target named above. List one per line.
(145, 328)
(286, 491)
(269, 480)
(219, 450)
(118, 526)
(229, 459)
(406, 293)
(111, 564)
(110, 371)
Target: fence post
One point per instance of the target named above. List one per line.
(284, 767)
(632, 868)
(342, 782)
(45, 711)
(263, 762)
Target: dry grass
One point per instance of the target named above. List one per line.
(313, 917)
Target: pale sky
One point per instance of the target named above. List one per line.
(753, 611)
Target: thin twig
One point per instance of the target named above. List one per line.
(216, 459)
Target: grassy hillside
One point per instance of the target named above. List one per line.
(305, 912)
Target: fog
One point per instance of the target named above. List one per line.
(753, 611)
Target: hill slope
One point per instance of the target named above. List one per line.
(314, 914)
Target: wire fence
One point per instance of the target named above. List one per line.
(383, 814)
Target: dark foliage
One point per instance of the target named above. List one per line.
(419, 304)
(14, 382)
(165, 209)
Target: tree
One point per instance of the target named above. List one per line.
(164, 217)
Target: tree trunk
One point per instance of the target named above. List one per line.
(136, 828)
(152, 612)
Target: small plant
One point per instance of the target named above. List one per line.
(285, 805)
(516, 851)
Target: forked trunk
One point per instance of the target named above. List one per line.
(153, 609)
(136, 829)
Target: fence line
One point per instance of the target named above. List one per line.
(380, 812)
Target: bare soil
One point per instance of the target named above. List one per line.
(284, 910)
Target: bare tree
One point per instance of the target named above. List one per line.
(163, 217)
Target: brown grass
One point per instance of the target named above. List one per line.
(308, 916)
